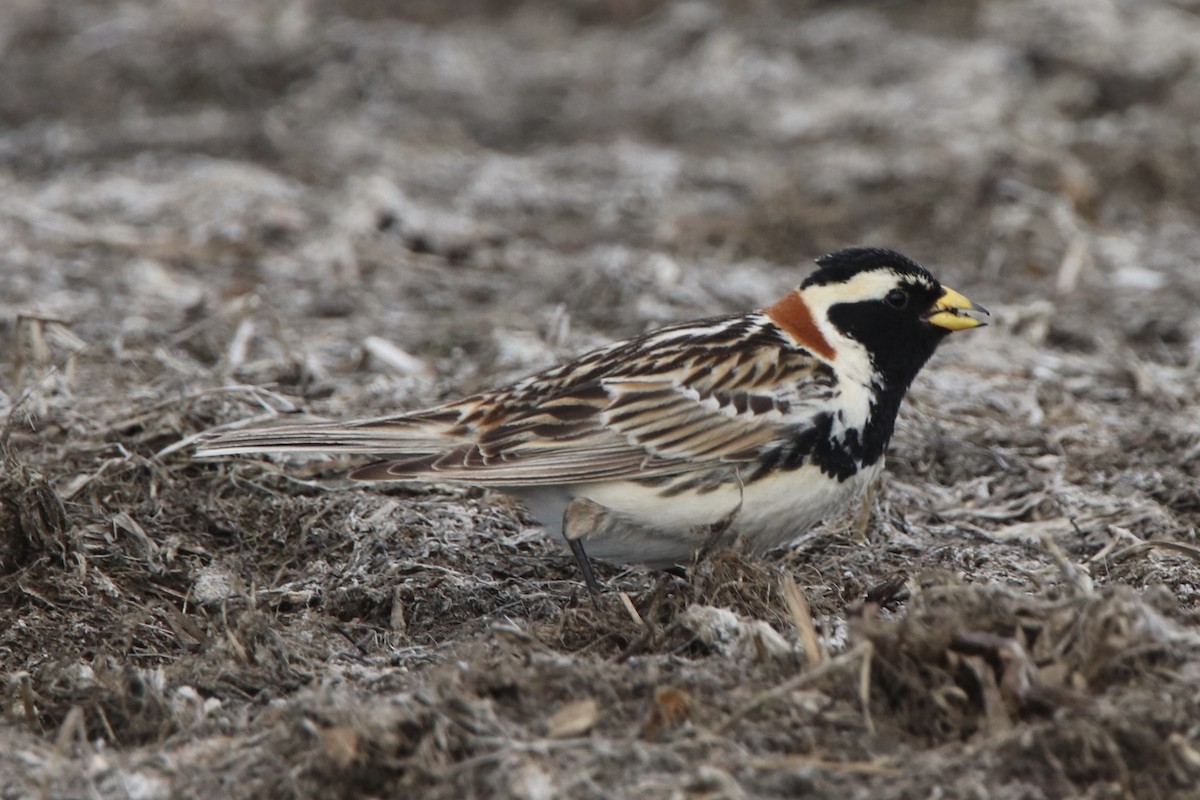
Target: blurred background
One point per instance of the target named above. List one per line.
(608, 164)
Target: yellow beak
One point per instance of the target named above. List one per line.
(949, 312)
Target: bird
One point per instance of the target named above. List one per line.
(769, 421)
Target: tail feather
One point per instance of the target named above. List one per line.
(350, 438)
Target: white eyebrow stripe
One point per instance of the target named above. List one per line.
(873, 285)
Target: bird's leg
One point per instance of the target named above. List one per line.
(574, 532)
(585, 565)
(862, 519)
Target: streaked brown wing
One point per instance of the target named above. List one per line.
(680, 399)
(466, 464)
(636, 427)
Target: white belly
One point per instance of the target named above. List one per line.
(645, 527)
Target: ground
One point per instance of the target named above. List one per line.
(222, 211)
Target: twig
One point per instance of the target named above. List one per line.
(1159, 544)
(798, 607)
(864, 686)
(839, 767)
(632, 609)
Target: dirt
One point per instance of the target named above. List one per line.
(221, 212)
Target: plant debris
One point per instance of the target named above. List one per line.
(228, 214)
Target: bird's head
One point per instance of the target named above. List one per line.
(876, 307)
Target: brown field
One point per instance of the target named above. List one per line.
(225, 210)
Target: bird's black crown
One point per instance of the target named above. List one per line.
(844, 264)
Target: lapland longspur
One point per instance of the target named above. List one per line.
(774, 419)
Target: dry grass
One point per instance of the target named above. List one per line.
(218, 215)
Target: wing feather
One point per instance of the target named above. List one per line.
(723, 395)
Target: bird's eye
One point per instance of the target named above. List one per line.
(896, 298)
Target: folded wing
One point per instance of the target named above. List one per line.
(697, 407)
